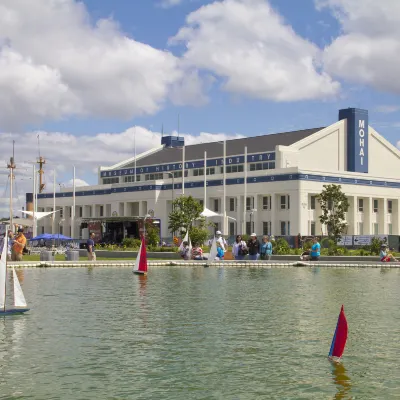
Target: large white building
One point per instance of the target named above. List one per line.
(284, 173)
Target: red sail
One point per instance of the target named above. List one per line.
(143, 257)
(340, 335)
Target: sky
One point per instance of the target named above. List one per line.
(78, 78)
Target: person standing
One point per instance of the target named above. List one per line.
(266, 249)
(254, 247)
(90, 245)
(315, 250)
(239, 248)
(10, 244)
(220, 251)
(18, 246)
(221, 240)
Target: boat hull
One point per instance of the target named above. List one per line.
(140, 272)
(14, 311)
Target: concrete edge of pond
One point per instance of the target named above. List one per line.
(219, 264)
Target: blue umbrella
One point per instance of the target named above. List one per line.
(49, 236)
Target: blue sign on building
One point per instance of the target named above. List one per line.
(357, 139)
(252, 158)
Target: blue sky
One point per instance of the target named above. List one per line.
(83, 75)
(149, 23)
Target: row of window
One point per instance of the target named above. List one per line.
(230, 169)
(360, 205)
(266, 228)
(131, 178)
(109, 181)
(266, 203)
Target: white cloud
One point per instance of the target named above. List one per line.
(249, 46)
(78, 183)
(398, 144)
(368, 50)
(62, 151)
(55, 63)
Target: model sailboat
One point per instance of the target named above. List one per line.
(19, 298)
(339, 338)
(213, 252)
(141, 260)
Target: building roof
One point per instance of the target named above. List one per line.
(255, 144)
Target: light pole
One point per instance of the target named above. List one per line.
(251, 215)
(173, 187)
(172, 194)
(59, 227)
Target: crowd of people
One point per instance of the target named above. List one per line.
(253, 249)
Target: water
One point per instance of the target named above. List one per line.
(202, 333)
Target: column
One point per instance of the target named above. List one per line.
(368, 208)
(396, 217)
(239, 215)
(353, 220)
(273, 214)
(382, 216)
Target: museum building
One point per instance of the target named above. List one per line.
(264, 184)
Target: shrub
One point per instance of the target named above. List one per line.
(307, 245)
(375, 246)
(281, 246)
(131, 243)
(198, 235)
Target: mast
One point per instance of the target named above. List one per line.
(54, 201)
(41, 161)
(34, 202)
(73, 208)
(11, 167)
(134, 148)
(205, 181)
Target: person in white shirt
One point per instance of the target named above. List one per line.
(221, 240)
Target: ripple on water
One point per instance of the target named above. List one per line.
(195, 333)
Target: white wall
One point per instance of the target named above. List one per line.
(384, 158)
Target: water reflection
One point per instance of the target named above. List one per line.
(341, 380)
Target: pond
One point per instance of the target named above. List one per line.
(202, 333)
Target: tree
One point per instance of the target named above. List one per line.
(186, 211)
(152, 234)
(334, 205)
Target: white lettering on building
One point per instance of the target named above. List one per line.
(361, 134)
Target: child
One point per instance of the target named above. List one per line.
(197, 252)
(220, 251)
(385, 256)
(185, 251)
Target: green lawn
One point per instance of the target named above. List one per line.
(60, 257)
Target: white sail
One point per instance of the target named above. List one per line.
(3, 272)
(19, 298)
(137, 262)
(185, 239)
(213, 251)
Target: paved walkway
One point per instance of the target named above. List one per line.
(180, 263)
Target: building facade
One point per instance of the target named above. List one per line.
(271, 184)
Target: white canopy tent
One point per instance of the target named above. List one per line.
(39, 215)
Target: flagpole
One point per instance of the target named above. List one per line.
(54, 202)
(183, 170)
(205, 180)
(134, 150)
(224, 227)
(245, 192)
(73, 208)
(34, 202)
